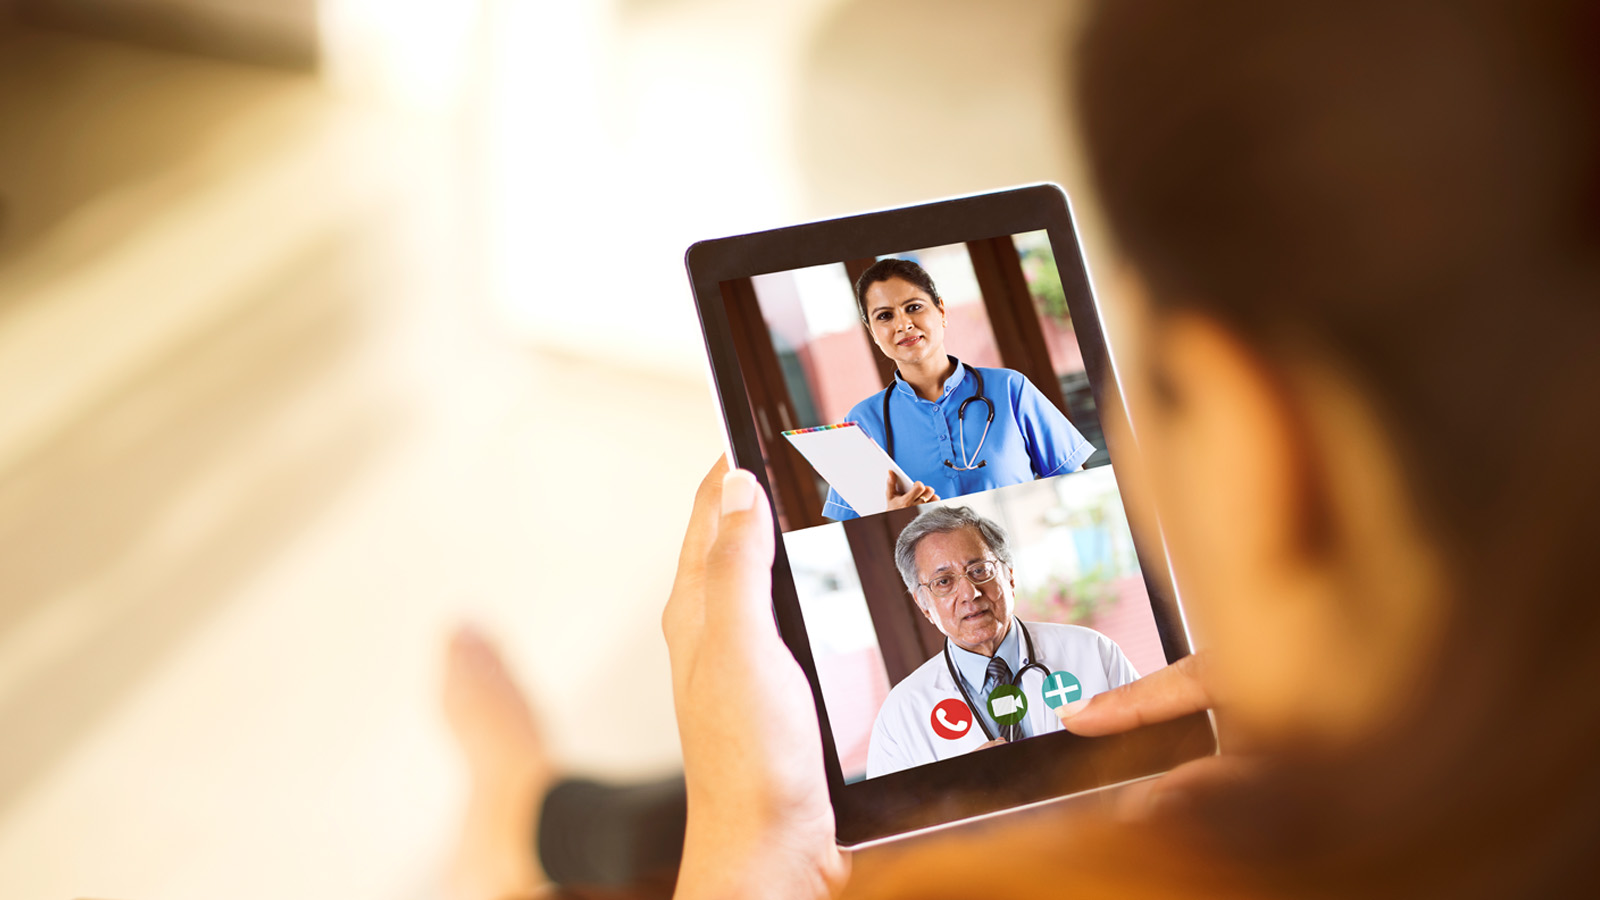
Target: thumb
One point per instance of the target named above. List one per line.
(739, 563)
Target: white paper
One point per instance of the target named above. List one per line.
(849, 461)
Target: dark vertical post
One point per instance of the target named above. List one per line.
(798, 501)
(1017, 333)
(905, 637)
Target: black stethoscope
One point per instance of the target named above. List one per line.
(961, 419)
(1028, 662)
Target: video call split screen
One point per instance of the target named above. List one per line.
(997, 580)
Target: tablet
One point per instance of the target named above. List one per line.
(963, 338)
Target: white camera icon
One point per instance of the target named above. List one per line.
(1010, 704)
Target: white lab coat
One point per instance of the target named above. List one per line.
(903, 735)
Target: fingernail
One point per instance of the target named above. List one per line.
(738, 491)
(1067, 710)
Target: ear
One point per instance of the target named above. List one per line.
(1285, 517)
(1233, 449)
(1217, 432)
(926, 613)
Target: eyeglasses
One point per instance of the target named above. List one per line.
(943, 586)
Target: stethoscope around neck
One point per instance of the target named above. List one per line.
(1028, 662)
(961, 420)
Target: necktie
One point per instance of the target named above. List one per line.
(997, 674)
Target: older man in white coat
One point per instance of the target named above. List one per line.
(958, 567)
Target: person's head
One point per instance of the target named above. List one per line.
(902, 310)
(1362, 349)
(957, 566)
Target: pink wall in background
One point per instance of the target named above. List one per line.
(841, 372)
(1129, 622)
(1062, 342)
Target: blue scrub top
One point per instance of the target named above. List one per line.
(1029, 439)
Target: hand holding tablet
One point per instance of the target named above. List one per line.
(751, 748)
(1003, 437)
(753, 765)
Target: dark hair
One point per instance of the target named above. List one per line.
(885, 269)
(1411, 190)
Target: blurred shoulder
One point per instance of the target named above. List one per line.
(1107, 859)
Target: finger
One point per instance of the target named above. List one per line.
(1164, 694)
(702, 528)
(905, 498)
(683, 604)
(738, 585)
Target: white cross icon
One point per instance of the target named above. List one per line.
(1061, 691)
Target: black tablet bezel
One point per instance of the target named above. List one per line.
(974, 785)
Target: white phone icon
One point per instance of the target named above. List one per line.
(939, 714)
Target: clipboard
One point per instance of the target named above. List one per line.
(851, 462)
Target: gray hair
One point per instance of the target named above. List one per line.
(944, 520)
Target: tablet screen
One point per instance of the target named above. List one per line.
(946, 626)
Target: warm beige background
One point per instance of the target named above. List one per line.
(302, 365)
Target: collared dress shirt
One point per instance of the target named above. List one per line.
(974, 669)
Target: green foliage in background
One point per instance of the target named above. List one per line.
(1069, 601)
(1044, 281)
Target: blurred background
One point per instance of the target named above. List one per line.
(325, 324)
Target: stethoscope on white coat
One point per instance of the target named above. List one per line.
(961, 418)
(1028, 662)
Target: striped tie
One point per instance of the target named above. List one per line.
(997, 674)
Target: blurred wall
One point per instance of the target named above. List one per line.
(260, 417)
(275, 32)
(168, 302)
(899, 101)
(680, 120)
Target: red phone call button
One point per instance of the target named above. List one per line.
(951, 719)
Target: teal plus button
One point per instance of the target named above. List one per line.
(1007, 704)
(1061, 688)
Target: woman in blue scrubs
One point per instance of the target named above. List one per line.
(949, 451)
